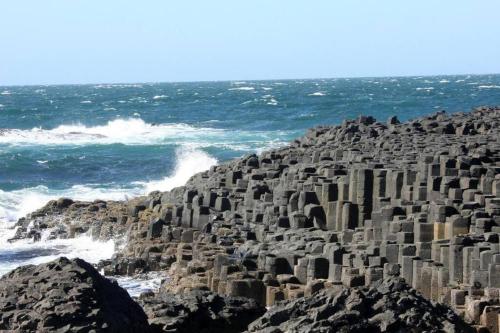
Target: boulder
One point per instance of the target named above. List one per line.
(66, 296)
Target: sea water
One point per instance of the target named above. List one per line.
(116, 141)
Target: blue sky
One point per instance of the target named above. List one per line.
(90, 41)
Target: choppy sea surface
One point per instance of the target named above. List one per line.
(114, 141)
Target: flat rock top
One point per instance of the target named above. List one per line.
(66, 296)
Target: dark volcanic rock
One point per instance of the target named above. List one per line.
(199, 311)
(391, 306)
(66, 296)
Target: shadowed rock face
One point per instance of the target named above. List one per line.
(199, 311)
(67, 296)
(391, 306)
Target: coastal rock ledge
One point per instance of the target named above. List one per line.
(347, 206)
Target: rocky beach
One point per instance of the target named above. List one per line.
(367, 226)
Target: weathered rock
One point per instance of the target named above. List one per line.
(66, 296)
(199, 311)
(391, 306)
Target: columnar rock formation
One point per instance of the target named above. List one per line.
(346, 205)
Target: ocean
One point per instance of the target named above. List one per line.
(115, 141)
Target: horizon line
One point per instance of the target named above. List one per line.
(243, 80)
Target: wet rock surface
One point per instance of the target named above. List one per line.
(66, 296)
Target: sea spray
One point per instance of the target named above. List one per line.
(189, 161)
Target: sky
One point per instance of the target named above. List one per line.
(104, 41)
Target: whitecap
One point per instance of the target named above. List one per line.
(267, 88)
(489, 87)
(42, 161)
(243, 88)
(86, 102)
(160, 96)
(134, 131)
(5, 92)
(318, 93)
(458, 81)
(444, 81)
(424, 88)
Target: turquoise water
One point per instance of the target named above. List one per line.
(118, 140)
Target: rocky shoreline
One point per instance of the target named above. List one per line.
(316, 231)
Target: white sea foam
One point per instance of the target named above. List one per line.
(33, 253)
(113, 86)
(16, 204)
(5, 92)
(488, 87)
(189, 162)
(136, 285)
(160, 96)
(243, 88)
(444, 81)
(318, 93)
(424, 88)
(134, 131)
(86, 102)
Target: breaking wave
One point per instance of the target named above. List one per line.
(134, 131)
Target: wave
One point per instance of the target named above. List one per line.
(19, 203)
(489, 87)
(16, 204)
(189, 162)
(318, 93)
(243, 88)
(27, 252)
(424, 88)
(134, 131)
